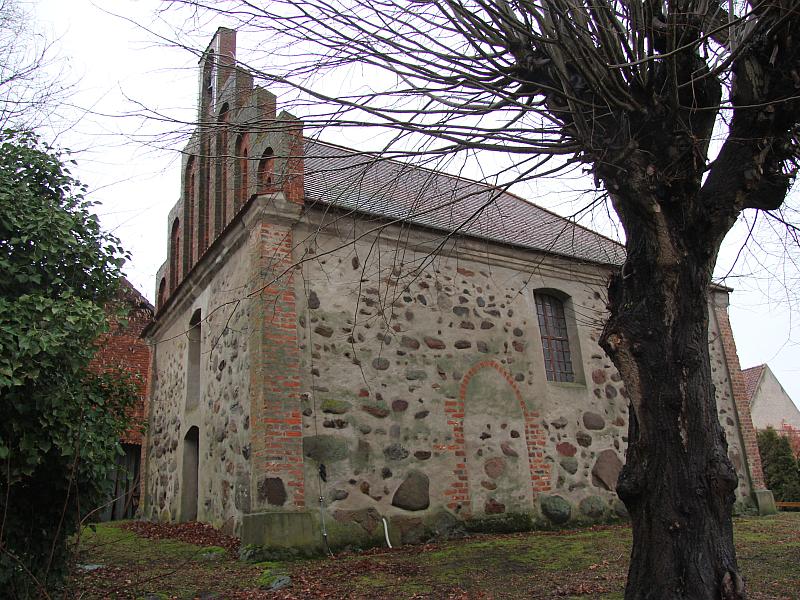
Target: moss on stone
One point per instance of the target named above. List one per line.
(593, 507)
(267, 577)
(506, 523)
(325, 448)
(255, 553)
(268, 564)
(376, 409)
(556, 509)
(213, 553)
(335, 407)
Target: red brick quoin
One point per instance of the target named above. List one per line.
(275, 376)
(741, 401)
(458, 491)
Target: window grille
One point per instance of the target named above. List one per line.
(555, 340)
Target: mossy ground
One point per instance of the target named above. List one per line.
(136, 567)
(582, 563)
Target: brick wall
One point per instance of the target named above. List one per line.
(457, 492)
(793, 434)
(740, 398)
(276, 420)
(122, 347)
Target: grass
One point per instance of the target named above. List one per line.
(135, 567)
(578, 564)
(769, 554)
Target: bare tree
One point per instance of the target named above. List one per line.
(30, 87)
(686, 112)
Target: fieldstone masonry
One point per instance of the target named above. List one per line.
(353, 372)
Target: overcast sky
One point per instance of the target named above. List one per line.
(117, 67)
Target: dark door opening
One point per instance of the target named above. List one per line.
(125, 494)
(191, 464)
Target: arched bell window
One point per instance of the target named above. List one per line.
(174, 253)
(223, 156)
(242, 170)
(266, 168)
(162, 292)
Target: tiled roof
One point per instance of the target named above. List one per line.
(751, 378)
(134, 296)
(392, 189)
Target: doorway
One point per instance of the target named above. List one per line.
(191, 464)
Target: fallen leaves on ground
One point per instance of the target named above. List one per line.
(192, 532)
(583, 563)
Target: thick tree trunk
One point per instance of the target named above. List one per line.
(677, 483)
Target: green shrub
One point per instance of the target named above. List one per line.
(59, 422)
(781, 470)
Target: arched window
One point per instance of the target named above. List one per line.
(555, 338)
(189, 201)
(174, 254)
(242, 167)
(209, 71)
(265, 171)
(204, 205)
(223, 153)
(195, 335)
(162, 292)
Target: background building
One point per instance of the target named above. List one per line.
(771, 406)
(122, 347)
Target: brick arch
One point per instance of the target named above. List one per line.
(491, 364)
(540, 470)
(190, 214)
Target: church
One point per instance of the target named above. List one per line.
(348, 348)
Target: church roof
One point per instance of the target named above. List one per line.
(394, 190)
(751, 378)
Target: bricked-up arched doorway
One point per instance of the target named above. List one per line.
(498, 467)
(190, 473)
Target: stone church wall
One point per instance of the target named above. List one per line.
(424, 385)
(419, 386)
(222, 410)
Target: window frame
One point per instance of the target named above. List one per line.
(557, 350)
